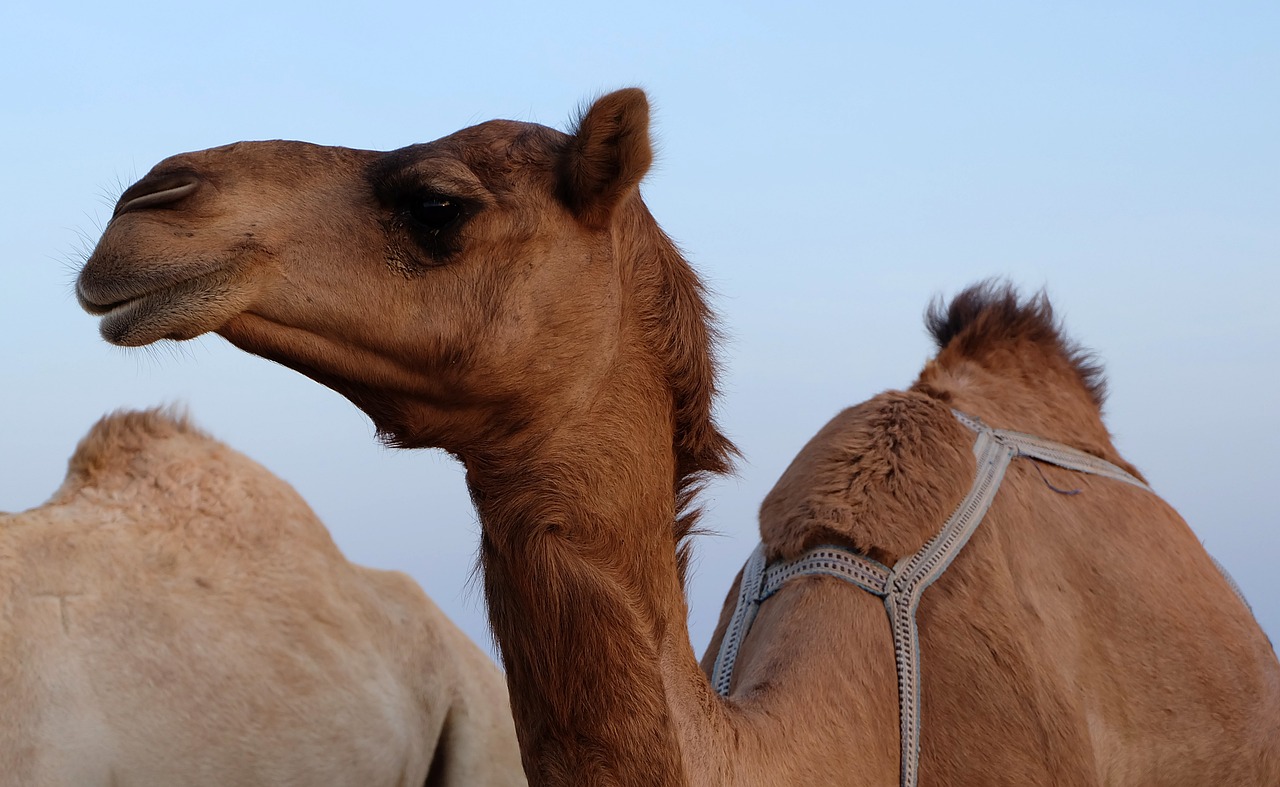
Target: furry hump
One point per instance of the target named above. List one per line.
(121, 434)
(990, 314)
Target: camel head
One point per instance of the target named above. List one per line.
(450, 289)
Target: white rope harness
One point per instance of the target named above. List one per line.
(902, 585)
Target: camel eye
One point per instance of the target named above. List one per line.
(434, 213)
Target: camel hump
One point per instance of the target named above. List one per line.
(120, 435)
(990, 316)
(607, 156)
(161, 472)
(879, 477)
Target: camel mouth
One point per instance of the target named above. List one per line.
(98, 309)
(179, 311)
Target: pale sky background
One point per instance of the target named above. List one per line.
(829, 170)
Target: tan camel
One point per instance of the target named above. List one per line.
(176, 615)
(503, 293)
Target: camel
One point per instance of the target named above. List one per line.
(176, 615)
(503, 293)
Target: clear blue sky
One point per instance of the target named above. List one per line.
(828, 169)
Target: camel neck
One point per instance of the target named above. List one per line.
(585, 598)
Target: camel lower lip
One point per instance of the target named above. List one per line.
(179, 311)
(120, 317)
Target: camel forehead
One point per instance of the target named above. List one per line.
(491, 152)
(501, 139)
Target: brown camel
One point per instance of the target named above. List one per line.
(503, 293)
(176, 615)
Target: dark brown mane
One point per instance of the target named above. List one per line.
(990, 314)
(680, 328)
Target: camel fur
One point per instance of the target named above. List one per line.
(503, 293)
(175, 614)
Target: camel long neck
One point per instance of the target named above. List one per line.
(585, 600)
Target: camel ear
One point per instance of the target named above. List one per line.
(607, 156)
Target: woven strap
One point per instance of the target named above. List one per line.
(743, 615)
(901, 586)
(1042, 450)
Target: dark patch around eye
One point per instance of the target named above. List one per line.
(429, 226)
(422, 224)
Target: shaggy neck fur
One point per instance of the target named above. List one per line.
(582, 534)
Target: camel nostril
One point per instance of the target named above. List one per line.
(147, 193)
